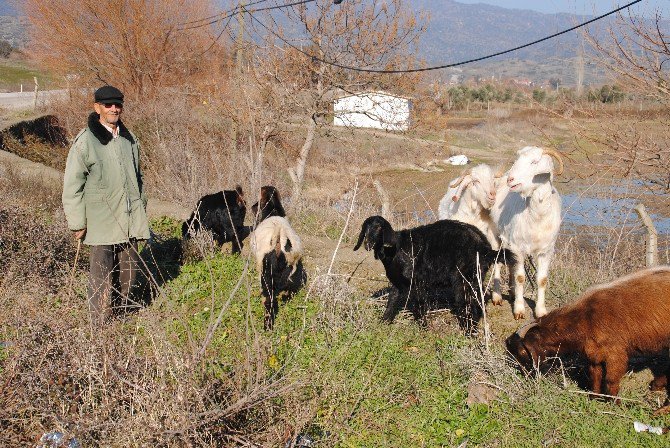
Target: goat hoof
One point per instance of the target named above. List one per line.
(497, 300)
(519, 316)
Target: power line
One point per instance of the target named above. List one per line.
(242, 10)
(438, 67)
(222, 13)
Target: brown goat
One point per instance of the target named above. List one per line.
(606, 326)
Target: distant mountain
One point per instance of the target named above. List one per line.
(458, 31)
(8, 8)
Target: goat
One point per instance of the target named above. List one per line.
(607, 325)
(469, 199)
(223, 214)
(527, 214)
(429, 263)
(268, 205)
(278, 251)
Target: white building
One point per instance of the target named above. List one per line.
(379, 110)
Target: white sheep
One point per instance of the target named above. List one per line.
(469, 199)
(527, 213)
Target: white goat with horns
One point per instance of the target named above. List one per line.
(527, 213)
(469, 199)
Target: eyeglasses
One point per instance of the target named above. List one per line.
(109, 106)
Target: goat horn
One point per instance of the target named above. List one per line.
(524, 329)
(556, 155)
(456, 182)
(463, 185)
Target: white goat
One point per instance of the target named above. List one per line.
(274, 231)
(527, 213)
(469, 199)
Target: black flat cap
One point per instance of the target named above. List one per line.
(108, 95)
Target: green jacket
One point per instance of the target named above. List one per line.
(102, 186)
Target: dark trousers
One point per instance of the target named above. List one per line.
(113, 278)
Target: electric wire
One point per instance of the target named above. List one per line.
(438, 67)
(222, 13)
(241, 9)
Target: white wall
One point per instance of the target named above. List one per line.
(373, 110)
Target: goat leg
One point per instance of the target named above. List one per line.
(615, 369)
(396, 302)
(596, 378)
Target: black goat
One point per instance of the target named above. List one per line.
(430, 264)
(268, 205)
(221, 213)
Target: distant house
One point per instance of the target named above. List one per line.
(378, 110)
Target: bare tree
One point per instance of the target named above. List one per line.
(140, 45)
(302, 71)
(636, 53)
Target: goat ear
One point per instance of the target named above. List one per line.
(388, 236)
(240, 196)
(361, 236)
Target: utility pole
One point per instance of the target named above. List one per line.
(240, 35)
(239, 62)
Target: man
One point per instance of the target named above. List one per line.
(104, 201)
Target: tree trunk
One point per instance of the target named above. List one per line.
(297, 172)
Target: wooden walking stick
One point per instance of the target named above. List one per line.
(74, 266)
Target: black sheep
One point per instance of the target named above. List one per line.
(223, 214)
(431, 265)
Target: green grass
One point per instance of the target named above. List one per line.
(376, 385)
(15, 73)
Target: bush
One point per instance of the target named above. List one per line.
(5, 49)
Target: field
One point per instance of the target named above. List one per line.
(193, 366)
(15, 73)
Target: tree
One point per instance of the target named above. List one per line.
(636, 54)
(140, 45)
(372, 34)
(5, 49)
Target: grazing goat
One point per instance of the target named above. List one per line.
(606, 326)
(429, 263)
(278, 251)
(527, 214)
(221, 213)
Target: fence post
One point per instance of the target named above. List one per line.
(36, 88)
(652, 236)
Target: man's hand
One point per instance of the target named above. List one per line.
(79, 234)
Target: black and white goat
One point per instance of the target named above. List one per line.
(278, 251)
(221, 213)
(429, 264)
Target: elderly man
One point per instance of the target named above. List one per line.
(104, 201)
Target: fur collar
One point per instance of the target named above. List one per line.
(102, 134)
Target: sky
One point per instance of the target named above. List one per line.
(586, 7)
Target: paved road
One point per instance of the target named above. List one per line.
(26, 100)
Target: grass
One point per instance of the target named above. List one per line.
(13, 73)
(362, 383)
